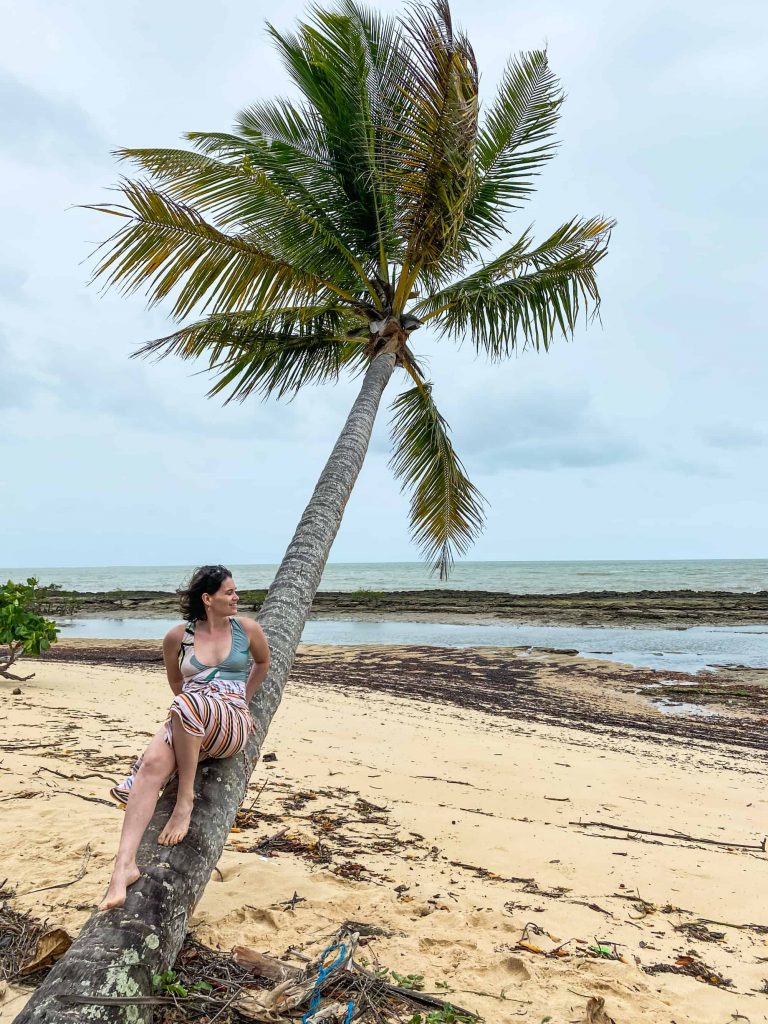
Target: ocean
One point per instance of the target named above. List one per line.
(674, 649)
(745, 575)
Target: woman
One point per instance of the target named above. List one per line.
(206, 661)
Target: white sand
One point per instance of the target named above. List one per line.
(478, 790)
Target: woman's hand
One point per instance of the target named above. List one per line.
(259, 650)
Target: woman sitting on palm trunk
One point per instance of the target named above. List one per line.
(206, 661)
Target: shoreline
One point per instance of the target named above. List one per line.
(676, 609)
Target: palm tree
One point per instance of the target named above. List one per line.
(314, 240)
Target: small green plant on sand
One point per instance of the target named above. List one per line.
(412, 981)
(22, 629)
(168, 983)
(445, 1015)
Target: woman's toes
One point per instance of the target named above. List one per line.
(177, 826)
(118, 886)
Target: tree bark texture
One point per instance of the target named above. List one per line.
(117, 952)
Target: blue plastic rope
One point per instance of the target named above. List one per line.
(322, 974)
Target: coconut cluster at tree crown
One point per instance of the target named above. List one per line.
(323, 230)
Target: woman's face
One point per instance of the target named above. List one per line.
(224, 601)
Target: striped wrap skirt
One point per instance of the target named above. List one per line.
(219, 716)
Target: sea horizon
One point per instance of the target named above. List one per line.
(551, 576)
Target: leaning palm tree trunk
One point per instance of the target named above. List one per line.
(116, 954)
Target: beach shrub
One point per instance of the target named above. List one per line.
(22, 629)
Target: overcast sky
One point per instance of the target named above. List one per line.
(645, 437)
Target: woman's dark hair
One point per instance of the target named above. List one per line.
(205, 580)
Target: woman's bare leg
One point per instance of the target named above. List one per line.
(186, 747)
(156, 768)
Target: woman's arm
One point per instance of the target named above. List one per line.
(259, 648)
(171, 645)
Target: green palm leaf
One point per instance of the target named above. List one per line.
(347, 62)
(281, 213)
(446, 508)
(514, 142)
(525, 296)
(433, 167)
(165, 246)
(274, 353)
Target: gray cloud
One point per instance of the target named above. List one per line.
(546, 429)
(730, 436)
(685, 466)
(35, 126)
(12, 282)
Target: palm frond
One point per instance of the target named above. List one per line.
(525, 296)
(433, 169)
(345, 63)
(273, 353)
(514, 142)
(165, 246)
(270, 206)
(447, 510)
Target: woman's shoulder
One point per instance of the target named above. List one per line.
(175, 633)
(248, 625)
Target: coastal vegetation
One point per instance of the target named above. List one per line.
(23, 630)
(312, 240)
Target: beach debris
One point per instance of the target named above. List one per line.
(759, 929)
(51, 945)
(699, 932)
(305, 986)
(524, 942)
(74, 778)
(24, 794)
(605, 949)
(28, 946)
(692, 966)
(64, 885)
(592, 906)
(290, 904)
(268, 757)
(263, 966)
(596, 1012)
(679, 836)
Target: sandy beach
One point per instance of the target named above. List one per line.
(481, 809)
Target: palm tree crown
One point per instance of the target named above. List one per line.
(321, 231)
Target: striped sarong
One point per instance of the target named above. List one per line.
(214, 709)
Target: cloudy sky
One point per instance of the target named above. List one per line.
(644, 437)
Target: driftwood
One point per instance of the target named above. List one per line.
(64, 885)
(263, 966)
(672, 835)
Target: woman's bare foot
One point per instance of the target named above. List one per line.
(177, 825)
(118, 884)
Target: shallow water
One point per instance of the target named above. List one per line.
(680, 650)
